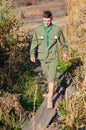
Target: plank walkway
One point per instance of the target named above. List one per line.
(44, 116)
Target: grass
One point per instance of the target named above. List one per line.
(72, 110)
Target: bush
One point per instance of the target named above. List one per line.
(72, 110)
(14, 54)
(15, 67)
(10, 111)
(63, 66)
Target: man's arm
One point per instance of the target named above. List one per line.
(63, 43)
(33, 48)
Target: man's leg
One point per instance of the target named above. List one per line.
(45, 68)
(51, 86)
(51, 82)
(49, 69)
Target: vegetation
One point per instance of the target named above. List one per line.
(19, 89)
(17, 82)
(72, 110)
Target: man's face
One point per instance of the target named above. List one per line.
(47, 21)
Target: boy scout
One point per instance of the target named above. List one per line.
(46, 38)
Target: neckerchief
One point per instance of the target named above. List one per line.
(47, 30)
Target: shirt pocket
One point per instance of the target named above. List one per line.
(52, 54)
(53, 39)
(40, 39)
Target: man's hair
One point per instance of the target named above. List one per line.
(47, 14)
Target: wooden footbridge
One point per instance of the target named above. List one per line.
(44, 116)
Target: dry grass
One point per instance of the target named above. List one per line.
(51, 5)
(73, 114)
(9, 102)
(72, 110)
(75, 29)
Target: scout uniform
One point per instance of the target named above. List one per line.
(46, 40)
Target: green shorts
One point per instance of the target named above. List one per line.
(49, 69)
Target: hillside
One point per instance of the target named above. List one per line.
(31, 16)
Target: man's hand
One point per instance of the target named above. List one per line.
(33, 60)
(65, 56)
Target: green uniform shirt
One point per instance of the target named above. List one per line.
(39, 41)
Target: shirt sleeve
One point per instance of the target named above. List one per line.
(62, 41)
(33, 46)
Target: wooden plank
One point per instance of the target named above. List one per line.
(43, 116)
(70, 90)
(28, 124)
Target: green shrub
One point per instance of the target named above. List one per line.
(14, 53)
(31, 93)
(63, 66)
(15, 65)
